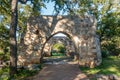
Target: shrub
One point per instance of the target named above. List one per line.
(58, 47)
(111, 47)
(105, 53)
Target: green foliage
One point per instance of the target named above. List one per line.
(105, 53)
(109, 65)
(59, 47)
(4, 29)
(62, 49)
(111, 46)
(4, 73)
(64, 6)
(4, 53)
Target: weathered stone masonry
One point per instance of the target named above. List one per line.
(80, 29)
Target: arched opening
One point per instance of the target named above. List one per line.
(59, 46)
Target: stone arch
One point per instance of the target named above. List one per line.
(69, 36)
(81, 29)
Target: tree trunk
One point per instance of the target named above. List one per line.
(13, 41)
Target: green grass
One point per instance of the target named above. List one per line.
(58, 54)
(21, 74)
(110, 65)
(24, 73)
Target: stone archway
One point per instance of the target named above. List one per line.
(81, 29)
(65, 40)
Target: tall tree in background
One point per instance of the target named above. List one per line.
(13, 41)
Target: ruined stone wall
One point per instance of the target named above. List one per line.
(80, 29)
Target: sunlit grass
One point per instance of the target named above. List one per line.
(58, 54)
(110, 65)
(55, 57)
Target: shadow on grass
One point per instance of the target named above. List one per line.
(110, 65)
(23, 73)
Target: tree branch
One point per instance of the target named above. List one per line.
(24, 1)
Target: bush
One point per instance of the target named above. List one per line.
(105, 53)
(4, 73)
(111, 47)
(59, 48)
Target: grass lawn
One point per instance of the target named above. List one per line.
(110, 65)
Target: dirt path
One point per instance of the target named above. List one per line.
(67, 71)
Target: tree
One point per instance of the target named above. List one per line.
(5, 26)
(13, 29)
(13, 41)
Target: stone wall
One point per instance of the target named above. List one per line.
(80, 29)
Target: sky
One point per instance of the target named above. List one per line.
(49, 10)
